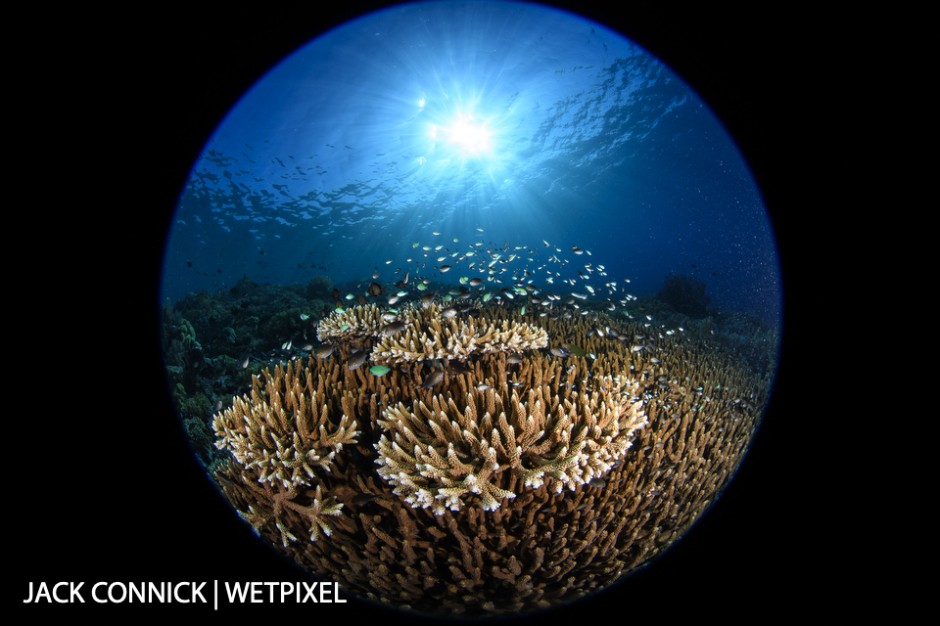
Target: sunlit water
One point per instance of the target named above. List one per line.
(500, 124)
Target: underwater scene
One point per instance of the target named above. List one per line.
(473, 308)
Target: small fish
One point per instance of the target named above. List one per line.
(487, 297)
(459, 368)
(379, 370)
(339, 310)
(304, 317)
(476, 282)
(559, 352)
(350, 296)
(434, 378)
(444, 268)
(286, 345)
(483, 387)
(577, 250)
(394, 328)
(449, 312)
(375, 289)
(324, 351)
(513, 359)
(246, 362)
(356, 361)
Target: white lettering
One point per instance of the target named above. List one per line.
(122, 593)
(311, 590)
(287, 589)
(236, 590)
(94, 593)
(197, 591)
(71, 593)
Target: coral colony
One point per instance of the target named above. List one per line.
(474, 459)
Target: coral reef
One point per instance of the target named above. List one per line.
(479, 472)
(319, 288)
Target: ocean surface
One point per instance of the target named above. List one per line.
(486, 146)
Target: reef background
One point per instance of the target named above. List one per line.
(121, 497)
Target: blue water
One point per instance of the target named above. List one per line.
(523, 129)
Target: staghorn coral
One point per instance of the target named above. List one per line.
(355, 322)
(511, 484)
(458, 340)
(282, 432)
(437, 456)
(425, 334)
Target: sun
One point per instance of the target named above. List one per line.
(465, 134)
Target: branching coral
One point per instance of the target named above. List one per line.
(497, 480)
(428, 336)
(437, 456)
(315, 513)
(356, 322)
(283, 431)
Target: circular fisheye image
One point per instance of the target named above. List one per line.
(472, 308)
